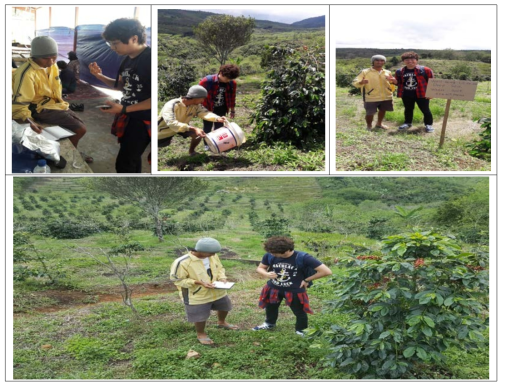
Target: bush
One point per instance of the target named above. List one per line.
(63, 229)
(482, 148)
(292, 108)
(175, 80)
(408, 307)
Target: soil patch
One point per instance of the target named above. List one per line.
(66, 299)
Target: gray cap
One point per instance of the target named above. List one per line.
(208, 244)
(196, 91)
(378, 58)
(43, 46)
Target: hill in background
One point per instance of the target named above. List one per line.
(181, 22)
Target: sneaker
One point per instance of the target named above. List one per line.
(404, 127)
(300, 333)
(263, 326)
(429, 128)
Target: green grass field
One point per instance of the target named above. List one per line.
(413, 150)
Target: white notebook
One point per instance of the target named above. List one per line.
(56, 133)
(226, 286)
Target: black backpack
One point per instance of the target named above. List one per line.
(299, 263)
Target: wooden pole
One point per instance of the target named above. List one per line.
(445, 120)
(76, 22)
(50, 17)
(136, 12)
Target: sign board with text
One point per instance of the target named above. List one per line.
(451, 89)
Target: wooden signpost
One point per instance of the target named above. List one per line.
(450, 89)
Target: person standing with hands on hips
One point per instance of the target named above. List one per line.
(287, 271)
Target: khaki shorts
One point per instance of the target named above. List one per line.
(372, 107)
(64, 118)
(201, 312)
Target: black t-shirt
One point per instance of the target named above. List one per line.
(136, 75)
(289, 277)
(409, 83)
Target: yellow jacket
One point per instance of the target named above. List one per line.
(378, 88)
(32, 85)
(188, 269)
(176, 116)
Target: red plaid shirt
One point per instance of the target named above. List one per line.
(212, 86)
(420, 79)
(270, 295)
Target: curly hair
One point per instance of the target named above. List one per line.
(409, 54)
(229, 71)
(123, 29)
(279, 244)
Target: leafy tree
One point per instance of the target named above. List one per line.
(292, 108)
(174, 80)
(219, 35)
(408, 307)
(151, 194)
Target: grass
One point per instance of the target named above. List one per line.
(414, 150)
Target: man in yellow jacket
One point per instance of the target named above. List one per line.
(194, 275)
(377, 91)
(177, 114)
(37, 92)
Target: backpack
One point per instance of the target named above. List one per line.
(299, 263)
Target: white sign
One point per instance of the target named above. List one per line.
(451, 89)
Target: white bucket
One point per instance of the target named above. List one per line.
(225, 138)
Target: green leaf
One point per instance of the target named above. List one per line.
(385, 334)
(429, 321)
(420, 352)
(409, 352)
(448, 301)
(427, 331)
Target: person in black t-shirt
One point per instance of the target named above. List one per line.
(287, 282)
(132, 121)
(67, 78)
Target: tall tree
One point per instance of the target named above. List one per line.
(151, 194)
(219, 35)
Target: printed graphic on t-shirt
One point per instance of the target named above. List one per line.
(132, 86)
(220, 97)
(286, 273)
(410, 83)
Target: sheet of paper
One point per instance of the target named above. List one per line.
(56, 133)
(226, 286)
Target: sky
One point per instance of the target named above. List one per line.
(459, 27)
(280, 14)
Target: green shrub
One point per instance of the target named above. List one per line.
(482, 148)
(408, 307)
(292, 108)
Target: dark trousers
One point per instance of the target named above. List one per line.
(132, 145)
(409, 107)
(272, 310)
(208, 125)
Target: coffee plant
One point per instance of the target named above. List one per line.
(292, 108)
(421, 297)
(481, 148)
(174, 80)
